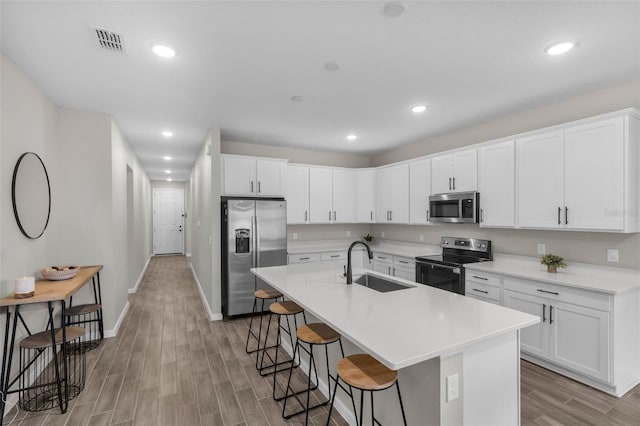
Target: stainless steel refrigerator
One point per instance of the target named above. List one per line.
(254, 235)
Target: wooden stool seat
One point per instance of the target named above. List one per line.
(286, 307)
(364, 372)
(317, 333)
(267, 294)
(43, 339)
(82, 309)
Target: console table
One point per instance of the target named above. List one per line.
(48, 292)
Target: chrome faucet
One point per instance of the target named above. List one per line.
(349, 271)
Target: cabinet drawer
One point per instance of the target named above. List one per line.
(484, 299)
(304, 258)
(404, 262)
(482, 290)
(560, 293)
(383, 258)
(481, 277)
(333, 255)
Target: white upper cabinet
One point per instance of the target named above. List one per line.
(540, 180)
(392, 194)
(365, 190)
(594, 175)
(497, 174)
(297, 194)
(419, 191)
(254, 177)
(332, 195)
(582, 177)
(454, 172)
(344, 196)
(320, 195)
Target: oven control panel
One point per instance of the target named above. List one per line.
(471, 244)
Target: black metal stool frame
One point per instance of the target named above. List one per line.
(251, 333)
(97, 296)
(362, 391)
(274, 363)
(309, 388)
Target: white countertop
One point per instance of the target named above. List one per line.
(578, 275)
(399, 328)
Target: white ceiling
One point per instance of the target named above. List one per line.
(239, 63)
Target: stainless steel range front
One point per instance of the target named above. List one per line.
(446, 271)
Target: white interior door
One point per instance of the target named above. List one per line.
(168, 222)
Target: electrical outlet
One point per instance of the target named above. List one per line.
(452, 388)
(382, 234)
(422, 238)
(542, 248)
(612, 255)
(348, 233)
(295, 235)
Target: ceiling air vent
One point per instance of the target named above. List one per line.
(109, 40)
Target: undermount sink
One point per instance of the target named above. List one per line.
(380, 284)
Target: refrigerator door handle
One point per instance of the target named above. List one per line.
(256, 242)
(253, 242)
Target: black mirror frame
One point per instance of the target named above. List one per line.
(13, 196)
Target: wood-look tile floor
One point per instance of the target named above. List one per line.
(169, 365)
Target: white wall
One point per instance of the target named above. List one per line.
(205, 222)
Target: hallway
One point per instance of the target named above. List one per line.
(169, 365)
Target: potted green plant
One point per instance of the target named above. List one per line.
(368, 238)
(553, 262)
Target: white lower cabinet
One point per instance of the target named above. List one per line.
(396, 266)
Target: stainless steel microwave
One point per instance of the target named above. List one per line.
(461, 207)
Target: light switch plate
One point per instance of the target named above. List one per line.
(612, 255)
(542, 248)
(422, 238)
(295, 235)
(452, 388)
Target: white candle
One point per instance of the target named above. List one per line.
(25, 285)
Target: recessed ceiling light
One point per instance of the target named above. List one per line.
(331, 66)
(394, 9)
(560, 48)
(166, 157)
(352, 137)
(163, 51)
(169, 180)
(297, 99)
(418, 108)
(167, 171)
(167, 134)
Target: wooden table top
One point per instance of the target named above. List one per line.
(50, 291)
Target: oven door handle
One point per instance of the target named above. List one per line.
(454, 269)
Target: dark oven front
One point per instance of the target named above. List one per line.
(444, 277)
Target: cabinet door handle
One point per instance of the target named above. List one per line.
(394, 271)
(381, 257)
(252, 186)
(335, 255)
(389, 268)
(566, 215)
(403, 261)
(480, 278)
(449, 184)
(391, 215)
(481, 215)
(550, 314)
(329, 215)
(258, 187)
(549, 292)
(480, 291)
(303, 258)
(427, 215)
(544, 312)
(454, 183)
(334, 215)
(306, 215)
(371, 214)
(559, 221)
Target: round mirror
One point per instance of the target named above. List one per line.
(31, 195)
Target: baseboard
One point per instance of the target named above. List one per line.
(338, 405)
(140, 277)
(187, 255)
(205, 302)
(114, 332)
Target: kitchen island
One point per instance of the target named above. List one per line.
(428, 334)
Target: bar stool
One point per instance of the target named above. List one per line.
(365, 373)
(287, 309)
(90, 317)
(261, 295)
(314, 334)
(51, 372)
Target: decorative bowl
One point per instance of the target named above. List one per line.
(57, 273)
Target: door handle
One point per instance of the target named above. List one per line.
(329, 215)
(550, 314)
(480, 291)
(544, 312)
(454, 183)
(481, 215)
(334, 215)
(559, 221)
(566, 215)
(258, 187)
(427, 215)
(480, 278)
(549, 292)
(251, 186)
(391, 215)
(371, 214)
(179, 228)
(449, 184)
(306, 215)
